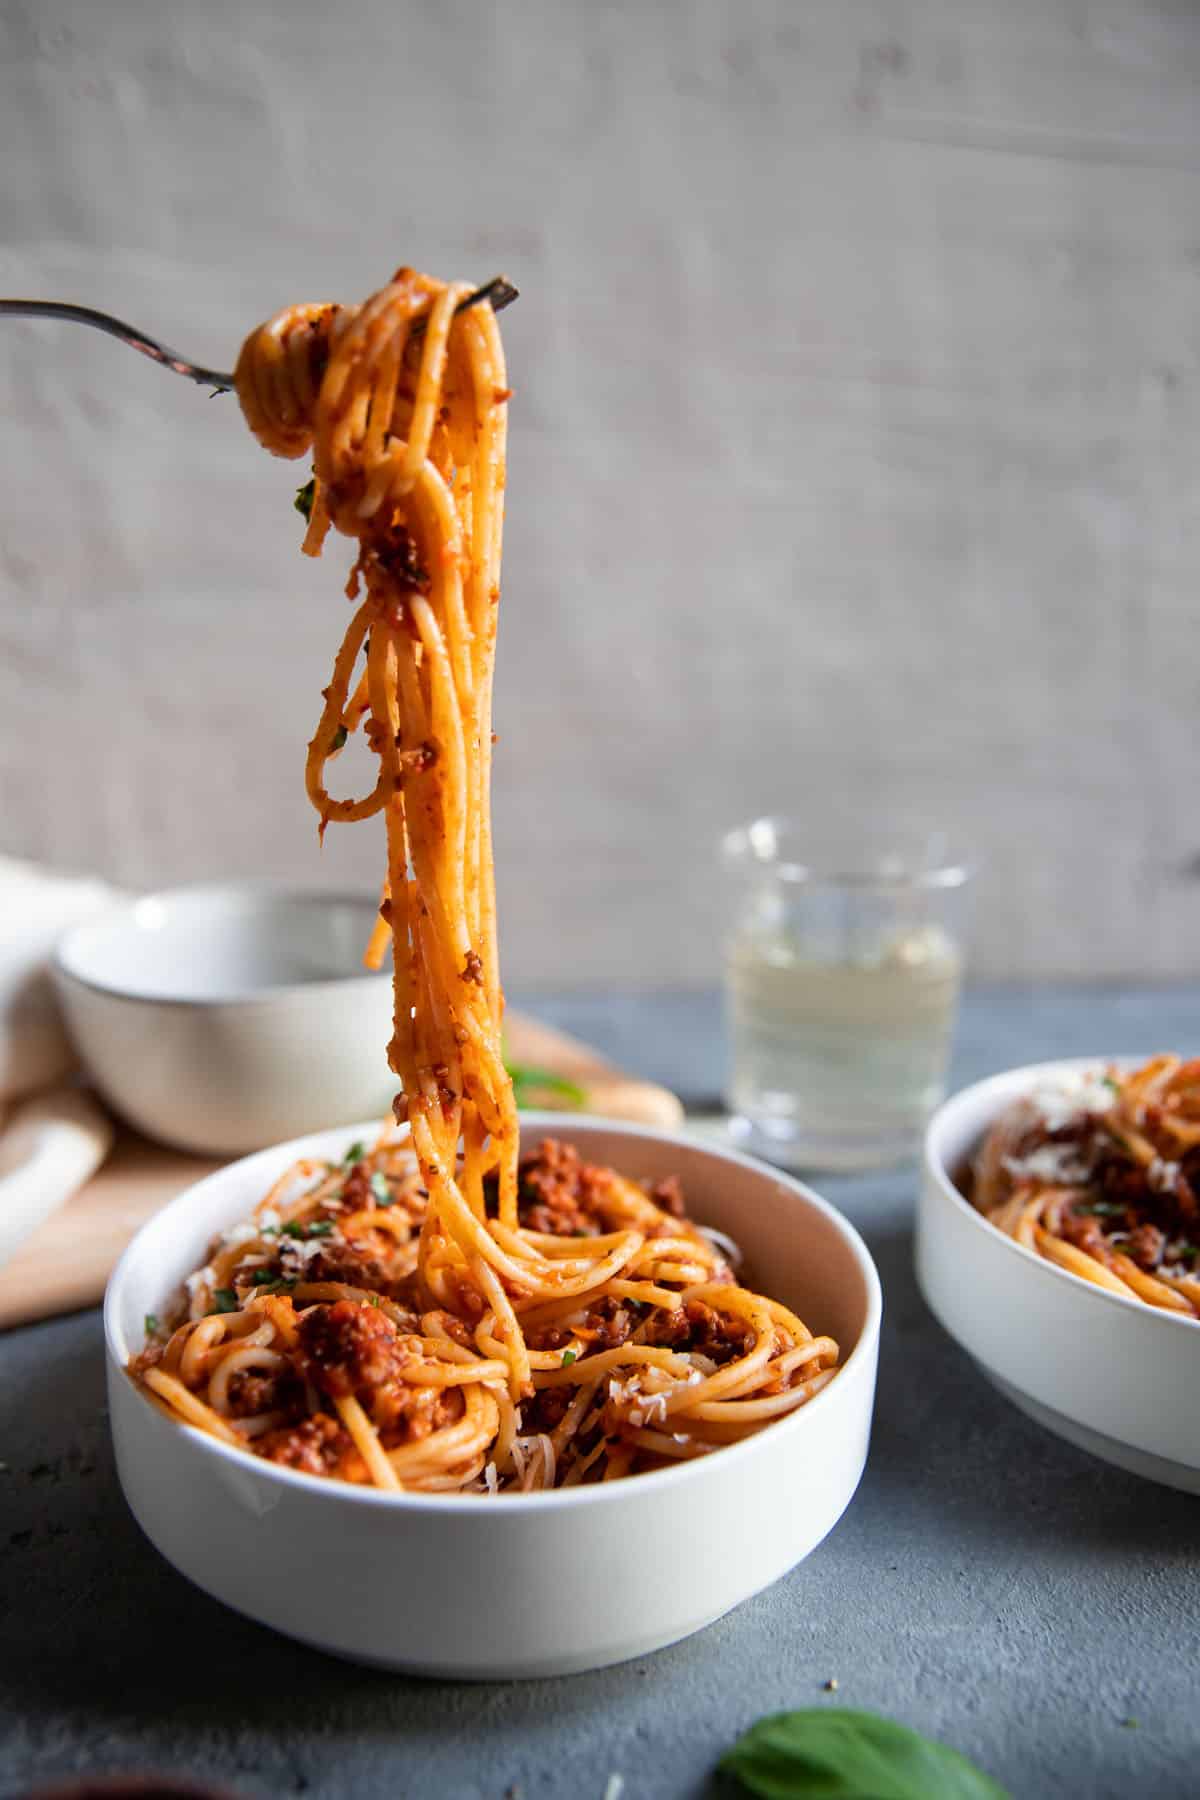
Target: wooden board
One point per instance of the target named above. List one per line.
(66, 1263)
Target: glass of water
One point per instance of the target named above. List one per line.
(843, 971)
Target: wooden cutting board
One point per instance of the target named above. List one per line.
(67, 1262)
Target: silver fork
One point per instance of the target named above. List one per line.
(499, 292)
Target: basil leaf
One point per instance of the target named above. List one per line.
(339, 738)
(224, 1300)
(380, 1190)
(530, 1084)
(151, 1324)
(305, 496)
(568, 1357)
(840, 1754)
(355, 1153)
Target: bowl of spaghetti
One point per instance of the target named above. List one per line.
(1058, 1240)
(334, 1443)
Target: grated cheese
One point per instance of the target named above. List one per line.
(1163, 1176)
(1064, 1096)
(1050, 1162)
(244, 1233)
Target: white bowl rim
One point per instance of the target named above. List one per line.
(250, 889)
(597, 1494)
(1007, 1083)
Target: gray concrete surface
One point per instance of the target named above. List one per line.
(854, 443)
(988, 1585)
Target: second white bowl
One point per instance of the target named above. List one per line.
(522, 1585)
(1115, 1376)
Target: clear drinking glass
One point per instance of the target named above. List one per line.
(842, 971)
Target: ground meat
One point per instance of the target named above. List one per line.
(668, 1194)
(250, 1392)
(544, 1412)
(405, 1415)
(561, 1194)
(612, 1321)
(149, 1358)
(318, 1445)
(719, 1336)
(1146, 1245)
(549, 1337)
(350, 1262)
(356, 1190)
(454, 1329)
(1083, 1230)
(346, 1347)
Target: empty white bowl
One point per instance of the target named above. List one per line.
(1114, 1376)
(223, 1017)
(522, 1585)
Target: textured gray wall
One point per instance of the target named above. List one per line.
(853, 462)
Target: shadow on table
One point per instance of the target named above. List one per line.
(944, 1438)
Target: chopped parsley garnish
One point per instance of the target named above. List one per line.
(261, 1275)
(380, 1190)
(375, 1300)
(225, 1300)
(355, 1153)
(339, 738)
(1109, 1081)
(305, 497)
(568, 1357)
(1105, 1209)
(279, 1286)
(151, 1324)
(318, 1229)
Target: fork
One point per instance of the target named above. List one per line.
(499, 292)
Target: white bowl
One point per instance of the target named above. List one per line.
(1114, 1376)
(523, 1585)
(224, 1017)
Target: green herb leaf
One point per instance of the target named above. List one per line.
(568, 1357)
(280, 1286)
(1104, 1209)
(317, 1228)
(339, 738)
(375, 1300)
(304, 499)
(354, 1154)
(381, 1190)
(225, 1300)
(1110, 1082)
(531, 1086)
(151, 1324)
(840, 1754)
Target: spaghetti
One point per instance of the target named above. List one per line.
(430, 1315)
(1100, 1174)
